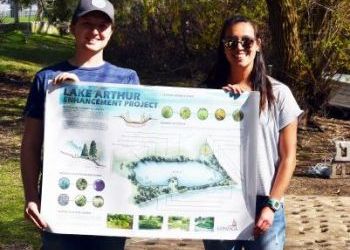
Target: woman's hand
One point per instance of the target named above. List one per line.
(264, 221)
(65, 77)
(236, 89)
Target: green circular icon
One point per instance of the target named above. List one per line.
(202, 114)
(167, 112)
(64, 183)
(80, 200)
(238, 115)
(220, 114)
(185, 113)
(98, 201)
(81, 184)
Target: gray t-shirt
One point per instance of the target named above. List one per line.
(286, 111)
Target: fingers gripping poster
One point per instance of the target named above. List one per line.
(138, 161)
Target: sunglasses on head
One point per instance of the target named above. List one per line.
(232, 42)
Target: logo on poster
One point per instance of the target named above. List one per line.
(99, 3)
(228, 228)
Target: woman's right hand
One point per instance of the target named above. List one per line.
(65, 77)
(32, 213)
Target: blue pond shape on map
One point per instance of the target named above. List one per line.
(189, 174)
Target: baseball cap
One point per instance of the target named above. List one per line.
(86, 6)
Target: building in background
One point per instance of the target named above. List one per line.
(340, 100)
(8, 8)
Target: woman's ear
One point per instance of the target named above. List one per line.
(258, 42)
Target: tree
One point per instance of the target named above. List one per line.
(15, 10)
(187, 31)
(325, 39)
(283, 22)
(310, 45)
(93, 150)
(85, 152)
(41, 9)
(16, 5)
(61, 11)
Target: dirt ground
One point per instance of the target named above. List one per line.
(316, 186)
(309, 226)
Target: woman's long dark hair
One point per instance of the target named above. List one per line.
(218, 76)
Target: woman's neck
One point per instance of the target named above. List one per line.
(87, 60)
(240, 76)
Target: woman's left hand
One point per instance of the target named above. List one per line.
(264, 221)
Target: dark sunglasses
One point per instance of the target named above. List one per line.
(232, 42)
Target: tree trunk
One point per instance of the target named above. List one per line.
(15, 9)
(283, 23)
(41, 10)
(289, 59)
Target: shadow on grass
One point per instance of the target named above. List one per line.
(13, 86)
(12, 108)
(11, 118)
(12, 101)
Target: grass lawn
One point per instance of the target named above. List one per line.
(21, 60)
(22, 19)
(24, 58)
(14, 230)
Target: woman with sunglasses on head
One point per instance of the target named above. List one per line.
(240, 67)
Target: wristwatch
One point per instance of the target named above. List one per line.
(273, 204)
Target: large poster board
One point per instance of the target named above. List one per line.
(139, 161)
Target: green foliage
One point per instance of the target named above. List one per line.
(80, 200)
(93, 149)
(326, 47)
(178, 222)
(150, 222)
(323, 34)
(205, 222)
(178, 37)
(61, 11)
(26, 3)
(85, 151)
(146, 194)
(122, 221)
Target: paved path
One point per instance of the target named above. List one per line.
(314, 222)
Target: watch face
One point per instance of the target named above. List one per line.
(274, 204)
